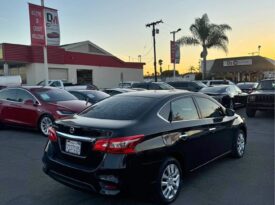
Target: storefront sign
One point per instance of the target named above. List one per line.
(237, 62)
(37, 24)
(175, 52)
(52, 27)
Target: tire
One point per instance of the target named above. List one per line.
(169, 181)
(250, 112)
(239, 143)
(44, 122)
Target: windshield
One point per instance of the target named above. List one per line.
(246, 85)
(165, 86)
(119, 108)
(200, 84)
(266, 85)
(54, 95)
(217, 89)
(96, 94)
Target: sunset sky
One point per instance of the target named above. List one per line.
(119, 26)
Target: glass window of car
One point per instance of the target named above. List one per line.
(78, 95)
(266, 85)
(120, 108)
(165, 111)
(140, 85)
(184, 109)
(164, 86)
(23, 95)
(208, 108)
(56, 84)
(8, 94)
(154, 86)
(54, 95)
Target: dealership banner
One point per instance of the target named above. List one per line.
(175, 52)
(52, 27)
(42, 18)
(37, 25)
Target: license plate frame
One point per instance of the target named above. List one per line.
(73, 147)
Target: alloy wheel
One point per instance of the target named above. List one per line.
(45, 123)
(170, 181)
(240, 144)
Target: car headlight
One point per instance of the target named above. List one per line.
(251, 98)
(65, 112)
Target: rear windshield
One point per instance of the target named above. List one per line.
(97, 94)
(119, 108)
(218, 89)
(54, 95)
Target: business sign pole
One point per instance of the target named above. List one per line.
(175, 53)
(45, 53)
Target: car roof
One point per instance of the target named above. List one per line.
(156, 93)
(39, 88)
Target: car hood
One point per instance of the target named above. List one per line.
(73, 105)
(263, 92)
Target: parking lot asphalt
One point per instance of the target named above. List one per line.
(246, 181)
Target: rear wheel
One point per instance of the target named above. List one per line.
(250, 112)
(168, 183)
(239, 145)
(44, 123)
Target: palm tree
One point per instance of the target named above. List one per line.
(207, 35)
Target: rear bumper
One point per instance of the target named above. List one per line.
(113, 175)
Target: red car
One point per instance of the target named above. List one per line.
(37, 107)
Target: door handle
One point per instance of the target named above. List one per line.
(212, 129)
(183, 137)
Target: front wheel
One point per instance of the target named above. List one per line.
(239, 145)
(44, 123)
(168, 183)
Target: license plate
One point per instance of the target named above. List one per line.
(73, 147)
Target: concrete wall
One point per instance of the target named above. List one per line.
(103, 77)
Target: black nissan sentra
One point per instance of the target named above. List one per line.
(142, 139)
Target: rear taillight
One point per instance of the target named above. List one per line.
(121, 145)
(52, 134)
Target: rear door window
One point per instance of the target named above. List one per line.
(208, 108)
(8, 94)
(23, 95)
(184, 109)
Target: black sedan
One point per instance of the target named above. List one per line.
(193, 86)
(228, 95)
(92, 96)
(144, 139)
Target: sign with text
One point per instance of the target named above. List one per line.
(52, 27)
(37, 24)
(227, 63)
(175, 52)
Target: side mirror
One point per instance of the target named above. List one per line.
(229, 112)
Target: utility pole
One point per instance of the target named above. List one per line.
(45, 54)
(154, 31)
(174, 40)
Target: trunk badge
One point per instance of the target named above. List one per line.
(72, 130)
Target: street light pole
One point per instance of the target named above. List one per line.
(174, 62)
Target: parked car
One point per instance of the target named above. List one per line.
(229, 96)
(9, 81)
(217, 82)
(247, 87)
(262, 98)
(142, 139)
(153, 86)
(194, 86)
(92, 96)
(116, 91)
(63, 84)
(37, 107)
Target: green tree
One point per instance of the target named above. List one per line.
(208, 35)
